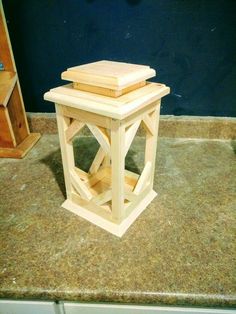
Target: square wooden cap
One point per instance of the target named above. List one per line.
(109, 74)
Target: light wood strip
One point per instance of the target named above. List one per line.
(130, 134)
(59, 95)
(80, 187)
(21, 150)
(135, 202)
(130, 196)
(82, 174)
(94, 178)
(66, 148)
(87, 97)
(131, 178)
(7, 137)
(92, 207)
(73, 129)
(102, 138)
(144, 178)
(118, 169)
(142, 102)
(17, 115)
(148, 124)
(107, 91)
(139, 115)
(87, 117)
(102, 198)
(106, 161)
(97, 161)
(151, 142)
(7, 83)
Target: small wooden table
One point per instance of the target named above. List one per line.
(113, 100)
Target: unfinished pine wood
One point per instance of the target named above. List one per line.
(67, 152)
(7, 83)
(101, 136)
(73, 130)
(118, 169)
(148, 124)
(96, 215)
(143, 180)
(98, 176)
(87, 117)
(109, 74)
(90, 207)
(17, 116)
(107, 91)
(79, 186)
(139, 114)
(14, 131)
(130, 134)
(112, 99)
(131, 178)
(102, 198)
(141, 197)
(151, 141)
(22, 149)
(100, 155)
(106, 161)
(7, 137)
(130, 196)
(84, 176)
(117, 108)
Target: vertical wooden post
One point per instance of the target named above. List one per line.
(66, 148)
(118, 169)
(151, 142)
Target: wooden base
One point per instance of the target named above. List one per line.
(22, 149)
(111, 227)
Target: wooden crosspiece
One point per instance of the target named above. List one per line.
(113, 100)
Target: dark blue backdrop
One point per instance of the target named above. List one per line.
(191, 44)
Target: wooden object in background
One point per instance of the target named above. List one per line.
(15, 137)
(108, 195)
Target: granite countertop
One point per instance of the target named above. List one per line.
(181, 250)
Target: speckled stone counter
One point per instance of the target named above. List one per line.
(181, 250)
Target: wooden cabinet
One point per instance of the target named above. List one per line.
(76, 308)
(27, 307)
(40, 307)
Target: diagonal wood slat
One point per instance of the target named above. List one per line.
(101, 136)
(148, 124)
(84, 176)
(144, 178)
(102, 198)
(94, 178)
(80, 187)
(97, 161)
(130, 134)
(73, 129)
(130, 196)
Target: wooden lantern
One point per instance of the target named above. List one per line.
(112, 99)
